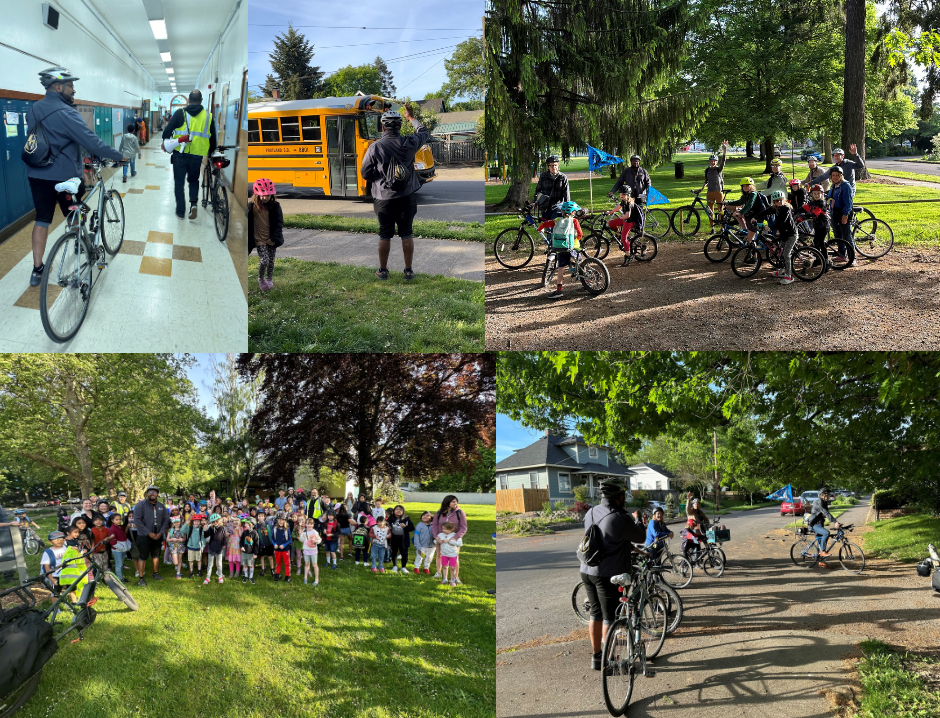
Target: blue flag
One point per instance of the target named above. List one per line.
(654, 197)
(598, 158)
(783, 494)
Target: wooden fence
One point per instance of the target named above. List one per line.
(521, 500)
(448, 152)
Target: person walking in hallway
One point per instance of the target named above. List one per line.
(194, 128)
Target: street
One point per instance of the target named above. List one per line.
(898, 164)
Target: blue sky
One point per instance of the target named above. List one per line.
(428, 27)
(511, 435)
(200, 375)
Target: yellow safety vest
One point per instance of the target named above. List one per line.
(71, 571)
(121, 509)
(198, 130)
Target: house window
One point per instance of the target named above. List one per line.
(659, 485)
(503, 482)
(533, 480)
(592, 452)
(564, 482)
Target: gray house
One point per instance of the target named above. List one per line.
(558, 463)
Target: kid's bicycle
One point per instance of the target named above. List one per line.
(32, 544)
(807, 263)
(591, 272)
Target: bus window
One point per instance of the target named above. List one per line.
(269, 129)
(369, 126)
(290, 129)
(311, 128)
(254, 134)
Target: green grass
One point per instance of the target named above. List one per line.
(360, 644)
(913, 225)
(466, 231)
(904, 538)
(906, 175)
(533, 525)
(891, 683)
(342, 308)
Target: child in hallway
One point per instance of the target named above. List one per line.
(129, 148)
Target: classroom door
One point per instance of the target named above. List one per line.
(341, 155)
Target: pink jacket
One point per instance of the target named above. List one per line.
(456, 517)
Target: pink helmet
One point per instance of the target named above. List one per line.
(263, 187)
(794, 182)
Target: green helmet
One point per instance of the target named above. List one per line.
(777, 194)
(747, 180)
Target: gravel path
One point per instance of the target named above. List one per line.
(681, 301)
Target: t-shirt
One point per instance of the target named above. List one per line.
(309, 539)
(450, 544)
(377, 512)
(52, 556)
(330, 530)
(100, 533)
(380, 536)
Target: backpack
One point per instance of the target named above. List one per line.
(27, 642)
(563, 233)
(37, 152)
(397, 175)
(592, 545)
(359, 540)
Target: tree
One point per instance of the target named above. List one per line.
(427, 116)
(376, 415)
(293, 73)
(479, 139)
(476, 474)
(853, 87)
(385, 75)
(349, 80)
(466, 72)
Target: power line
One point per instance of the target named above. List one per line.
(423, 73)
(390, 42)
(357, 27)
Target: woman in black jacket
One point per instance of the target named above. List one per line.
(361, 506)
(265, 229)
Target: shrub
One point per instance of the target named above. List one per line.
(671, 504)
(580, 493)
(581, 507)
(547, 507)
(561, 506)
(640, 497)
(887, 500)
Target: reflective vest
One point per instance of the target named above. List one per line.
(198, 130)
(121, 509)
(73, 570)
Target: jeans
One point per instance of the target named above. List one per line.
(789, 242)
(186, 170)
(119, 563)
(132, 163)
(378, 555)
(214, 558)
(824, 532)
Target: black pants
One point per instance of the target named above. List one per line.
(45, 199)
(603, 596)
(398, 549)
(397, 212)
(821, 234)
(186, 169)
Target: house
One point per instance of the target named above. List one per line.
(652, 477)
(456, 126)
(558, 463)
(436, 104)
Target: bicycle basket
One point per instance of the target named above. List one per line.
(26, 645)
(718, 535)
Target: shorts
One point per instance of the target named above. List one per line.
(346, 532)
(604, 597)
(266, 550)
(149, 547)
(398, 211)
(194, 554)
(248, 559)
(562, 258)
(45, 199)
(330, 545)
(448, 561)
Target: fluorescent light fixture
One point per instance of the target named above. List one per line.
(159, 29)
(165, 56)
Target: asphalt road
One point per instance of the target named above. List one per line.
(897, 164)
(454, 194)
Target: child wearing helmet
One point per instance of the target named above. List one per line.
(215, 544)
(777, 179)
(629, 216)
(784, 224)
(815, 208)
(265, 229)
(566, 234)
(750, 203)
(796, 195)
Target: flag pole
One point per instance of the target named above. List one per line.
(591, 188)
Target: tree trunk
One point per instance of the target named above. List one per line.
(108, 474)
(749, 148)
(760, 150)
(853, 97)
(768, 151)
(76, 417)
(827, 149)
(517, 196)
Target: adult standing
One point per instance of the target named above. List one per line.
(815, 173)
(87, 511)
(122, 507)
(151, 520)
(551, 189)
(619, 530)
(635, 180)
(777, 179)
(389, 164)
(715, 180)
(361, 506)
(450, 511)
(66, 133)
(848, 168)
(693, 510)
(194, 128)
(281, 500)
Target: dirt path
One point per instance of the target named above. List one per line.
(681, 301)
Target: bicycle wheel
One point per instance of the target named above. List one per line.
(685, 221)
(65, 289)
(657, 224)
(31, 546)
(873, 238)
(746, 261)
(673, 605)
(840, 253)
(804, 553)
(12, 702)
(852, 558)
(808, 264)
(654, 623)
(514, 247)
(580, 603)
(220, 210)
(644, 248)
(717, 248)
(593, 246)
(594, 276)
(619, 667)
(677, 571)
(712, 564)
(112, 228)
(721, 554)
(548, 274)
(119, 590)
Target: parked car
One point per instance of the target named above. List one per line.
(32, 505)
(796, 507)
(809, 152)
(808, 497)
(53, 502)
(75, 500)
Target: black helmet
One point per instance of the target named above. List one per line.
(924, 568)
(552, 158)
(390, 118)
(824, 490)
(53, 75)
(613, 486)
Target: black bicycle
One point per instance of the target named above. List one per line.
(686, 220)
(214, 192)
(807, 263)
(643, 246)
(806, 553)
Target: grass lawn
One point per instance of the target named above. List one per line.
(360, 644)
(913, 225)
(466, 231)
(318, 307)
(904, 538)
(906, 175)
(893, 683)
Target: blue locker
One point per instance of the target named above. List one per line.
(19, 198)
(5, 217)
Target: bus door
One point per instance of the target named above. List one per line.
(341, 154)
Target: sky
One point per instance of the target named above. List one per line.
(511, 435)
(200, 375)
(432, 28)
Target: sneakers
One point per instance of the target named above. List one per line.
(252, 579)
(141, 582)
(287, 580)
(357, 563)
(382, 273)
(206, 582)
(457, 581)
(133, 174)
(427, 571)
(332, 565)
(181, 216)
(70, 185)
(221, 580)
(36, 277)
(316, 583)
(125, 179)
(778, 273)
(192, 212)
(454, 582)
(277, 577)
(374, 569)
(244, 579)
(382, 570)
(436, 575)
(157, 576)
(557, 294)
(394, 569)
(305, 582)
(409, 274)
(787, 280)
(417, 571)
(444, 582)
(179, 577)
(854, 263)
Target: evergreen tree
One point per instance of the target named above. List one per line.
(296, 78)
(385, 75)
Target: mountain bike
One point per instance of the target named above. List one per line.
(31, 541)
(643, 247)
(67, 280)
(685, 220)
(591, 272)
(514, 247)
(707, 557)
(719, 246)
(214, 192)
(807, 263)
(806, 553)
(839, 253)
(873, 238)
(656, 221)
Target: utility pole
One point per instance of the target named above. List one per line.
(717, 492)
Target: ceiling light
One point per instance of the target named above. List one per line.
(159, 29)
(165, 56)
(169, 70)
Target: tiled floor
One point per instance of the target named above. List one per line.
(172, 287)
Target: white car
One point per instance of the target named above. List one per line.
(808, 497)
(32, 505)
(75, 500)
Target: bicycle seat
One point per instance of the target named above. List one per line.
(622, 580)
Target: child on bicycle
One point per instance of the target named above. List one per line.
(750, 203)
(629, 216)
(657, 533)
(816, 208)
(784, 225)
(566, 234)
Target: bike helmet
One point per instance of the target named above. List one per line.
(52, 75)
(613, 487)
(19, 512)
(817, 188)
(824, 490)
(775, 162)
(390, 118)
(152, 488)
(248, 520)
(243, 516)
(924, 568)
(200, 517)
(214, 517)
(569, 207)
(121, 493)
(747, 180)
(794, 182)
(835, 168)
(838, 151)
(634, 157)
(777, 194)
(53, 535)
(263, 187)
(713, 158)
(175, 518)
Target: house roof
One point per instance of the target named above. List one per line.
(545, 451)
(434, 103)
(658, 469)
(462, 116)
(450, 128)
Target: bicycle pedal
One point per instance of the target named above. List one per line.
(649, 673)
(101, 265)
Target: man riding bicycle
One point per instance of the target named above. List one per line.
(636, 181)
(817, 519)
(551, 189)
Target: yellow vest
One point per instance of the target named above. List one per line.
(198, 130)
(71, 571)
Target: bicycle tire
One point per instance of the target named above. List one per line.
(220, 210)
(654, 623)
(807, 264)
(514, 247)
(120, 591)
(658, 223)
(12, 702)
(806, 555)
(674, 609)
(873, 238)
(618, 667)
(646, 250)
(836, 248)
(681, 573)
(592, 244)
(717, 248)
(686, 221)
(594, 276)
(548, 273)
(721, 553)
(580, 604)
(854, 557)
(74, 267)
(746, 261)
(113, 237)
(31, 546)
(712, 564)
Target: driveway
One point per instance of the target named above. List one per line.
(903, 164)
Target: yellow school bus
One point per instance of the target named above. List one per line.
(315, 147)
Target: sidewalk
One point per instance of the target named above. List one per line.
(450, 258)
